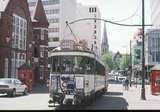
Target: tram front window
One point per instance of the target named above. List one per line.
(72, 64)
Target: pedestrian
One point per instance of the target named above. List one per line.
(123, 83)
(126, 84)
(130, 83)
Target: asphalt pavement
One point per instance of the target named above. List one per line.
(115, 99)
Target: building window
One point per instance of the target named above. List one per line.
(19, 39)
(32, 4)
(53, 30)
(41, 54)
(95, 10)
(92, 9)
(41, 72)
(95, 26)
(36, 36)
(51, 2)
(95, 31)
(94, 42)
(35, 52)
(153, 56)
(55, 39)
(6, 68)
(19, 34)
(52, 11)
(89, 9)
(42, 50)
(42, 34)
(55, 20)
(157, 56)
(18, 60)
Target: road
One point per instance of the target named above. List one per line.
(39, 101)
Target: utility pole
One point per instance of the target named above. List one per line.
(143, 58)
(130, 61)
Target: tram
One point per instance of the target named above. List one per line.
(76, 76)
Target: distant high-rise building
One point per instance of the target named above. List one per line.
(89, 30)
(104, 45)
(60, 11)
(57, 12)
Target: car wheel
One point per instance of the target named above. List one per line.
(25, 92)
(13, 93)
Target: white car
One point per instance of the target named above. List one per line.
(12, 86)
(121, 78)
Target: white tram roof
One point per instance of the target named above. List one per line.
(74, 52)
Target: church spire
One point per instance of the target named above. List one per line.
(105, 46)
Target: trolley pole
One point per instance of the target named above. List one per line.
(143, 57)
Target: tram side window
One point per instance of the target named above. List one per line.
(81, 65)
(100, 70)
(90, 66)
(54, 63)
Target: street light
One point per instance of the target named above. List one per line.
(130, 61)
(143, 59)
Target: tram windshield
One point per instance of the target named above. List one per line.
(74, 64)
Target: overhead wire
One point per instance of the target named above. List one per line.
(134, 14)
(129, 25)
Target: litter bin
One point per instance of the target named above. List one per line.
(155, 80)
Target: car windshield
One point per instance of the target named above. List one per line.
(6, 81)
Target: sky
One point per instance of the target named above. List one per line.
(116, 10)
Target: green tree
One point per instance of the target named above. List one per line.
(124, 61)
(116, 60)
(107, 59)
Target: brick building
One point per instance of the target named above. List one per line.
(23, 39)
(40, 40)
(15, 36)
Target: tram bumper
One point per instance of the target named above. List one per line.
(69, 99)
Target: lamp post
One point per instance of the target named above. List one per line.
(130, 62)
(143, 59)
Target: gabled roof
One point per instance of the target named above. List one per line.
(39, 14)
(3, 5)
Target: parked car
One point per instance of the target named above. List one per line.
(121, 78)
(12, 86)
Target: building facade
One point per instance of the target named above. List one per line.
(153, 35)
(16, 36)
(60, 11)
(57, 12)
(89, 30)
(136, 53)
(40, 39)
(152, 47)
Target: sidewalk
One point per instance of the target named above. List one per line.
(133, 97)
